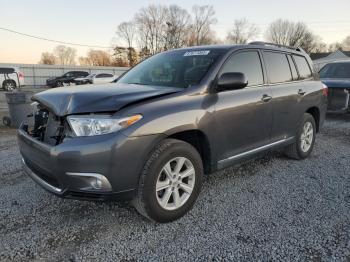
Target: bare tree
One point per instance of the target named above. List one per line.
(178, 23)
(127, 31)
(346, 44)
(241, 32)
(151, 23)
(202, 21)
(84, 61)
(335, 46)
(65, 55)
(99, 58)
(47, 58)
(297, 34)
(121, 56)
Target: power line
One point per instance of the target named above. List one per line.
(52, 40)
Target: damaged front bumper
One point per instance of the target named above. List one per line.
(100, 167)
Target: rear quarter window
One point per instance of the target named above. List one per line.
(303, 67)
(277, 66)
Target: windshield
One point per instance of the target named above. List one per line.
(338, 70)
(181, 68)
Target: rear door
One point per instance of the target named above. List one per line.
(285, 88)
(244, 116)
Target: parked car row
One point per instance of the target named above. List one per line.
(80, 78)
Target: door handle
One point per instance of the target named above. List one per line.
(266, 98)
(301, 92)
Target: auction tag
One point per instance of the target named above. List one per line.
(195, 53)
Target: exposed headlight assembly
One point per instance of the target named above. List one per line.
(94, 125)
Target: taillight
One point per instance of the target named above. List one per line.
(325, 90)
(20, 75)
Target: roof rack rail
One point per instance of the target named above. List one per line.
(278, 45)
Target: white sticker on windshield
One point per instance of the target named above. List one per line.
(193, 53)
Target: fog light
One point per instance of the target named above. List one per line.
(91, 181)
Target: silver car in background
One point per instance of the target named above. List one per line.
(102, 78)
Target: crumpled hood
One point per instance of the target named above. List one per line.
(336, 83)
(97, 98)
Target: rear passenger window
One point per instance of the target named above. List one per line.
(102, 75)
(303, 67)
(292, 68)
(247, 63)
(277, 67)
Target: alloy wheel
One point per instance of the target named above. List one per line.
(306, 137)
(9, 86)
(175, 183)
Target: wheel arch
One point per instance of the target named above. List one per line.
(315, 112)
(200, 142)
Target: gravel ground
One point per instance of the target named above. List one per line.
(269, 209)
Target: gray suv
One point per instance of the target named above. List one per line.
(151, 137)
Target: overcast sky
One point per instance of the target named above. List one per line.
(94, 22)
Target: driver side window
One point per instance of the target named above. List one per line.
(247, 63)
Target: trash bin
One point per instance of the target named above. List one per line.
(19, 105)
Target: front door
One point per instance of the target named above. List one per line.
(244, 117)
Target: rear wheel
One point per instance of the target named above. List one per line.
(171, 181)
(305, 139)
(9, 85)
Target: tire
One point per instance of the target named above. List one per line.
(59, 84)
(303, 145)
(9, 85)
(148, 201)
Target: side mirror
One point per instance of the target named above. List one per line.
(231, 81)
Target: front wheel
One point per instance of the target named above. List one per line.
(305, 139)
(171, 181)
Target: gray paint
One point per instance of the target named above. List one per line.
(236, 124)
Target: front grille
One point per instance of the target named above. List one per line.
(40, 173)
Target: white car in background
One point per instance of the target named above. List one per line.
(11, 81)
(101, 78)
